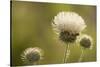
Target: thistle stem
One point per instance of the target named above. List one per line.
(66, 54)
(81, 56)
(37, 63)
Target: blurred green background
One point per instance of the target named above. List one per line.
(31, 27)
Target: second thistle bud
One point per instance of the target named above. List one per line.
(32, 55)
(86, 41)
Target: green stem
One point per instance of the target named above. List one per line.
(66, 54)
(81, 56)
(37, 63)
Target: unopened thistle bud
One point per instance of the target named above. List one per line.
(86, 41)
(32, 55)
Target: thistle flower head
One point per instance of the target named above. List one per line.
(68, 25)
(86, 41)
(68, 37)
(31, 55)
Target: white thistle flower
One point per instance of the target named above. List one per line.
(86, 41)
(32, 55)
(68, 25)
(68, 21)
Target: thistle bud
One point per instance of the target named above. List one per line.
(86, 41)
(32, 55)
